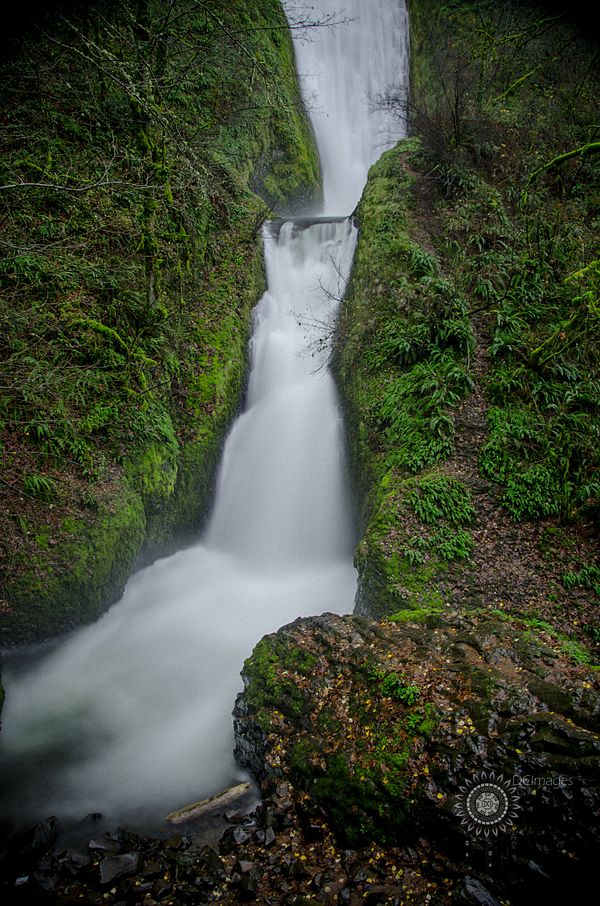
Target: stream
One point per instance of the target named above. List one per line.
(131, 716)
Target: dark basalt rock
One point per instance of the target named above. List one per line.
(475, 894)
(113, 867)
(384, 726)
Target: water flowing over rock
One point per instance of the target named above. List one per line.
(343, 71)
(146, 727)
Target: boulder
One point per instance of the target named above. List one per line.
(461, 729)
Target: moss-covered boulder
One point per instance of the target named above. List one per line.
(383, 724)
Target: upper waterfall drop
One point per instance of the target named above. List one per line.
(344, 69)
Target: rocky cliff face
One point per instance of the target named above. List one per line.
(383, 725)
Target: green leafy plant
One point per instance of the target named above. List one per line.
(394, 686)
(436, 496)
(40, 486)
(586, 577)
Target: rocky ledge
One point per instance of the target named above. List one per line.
(278, 855)
(383, 729)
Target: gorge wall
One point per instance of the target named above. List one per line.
(143, 147)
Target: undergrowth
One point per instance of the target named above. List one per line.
(520, 235)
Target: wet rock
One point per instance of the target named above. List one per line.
(92, 819)
(248, 886)
(113, 867)
(296, 868)
(41, 838)
(475, 894)
(160, 890)
(211, 862)
(153, 867)
(45, 881)
(240, 835)
(382, 726)
(79, 859)
(107, 843)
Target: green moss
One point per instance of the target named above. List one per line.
(417, 615)
(154, 471)
(371, 795)
(86, 573)
(364, 801)
(267, 687)
(72, 526)
(42, 538)
(147, 295)
(576, 651)
(568, 646)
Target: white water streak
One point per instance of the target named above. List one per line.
(343, 71)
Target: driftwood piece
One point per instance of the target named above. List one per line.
(219, 800)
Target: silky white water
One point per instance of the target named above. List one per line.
(343, 72)
(131, 717)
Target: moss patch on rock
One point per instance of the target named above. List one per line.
(382, 724)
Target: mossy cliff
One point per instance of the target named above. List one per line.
(143, 146)
(465, 348)
(404, 342)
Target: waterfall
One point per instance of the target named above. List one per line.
(131, 717)
(344, 69)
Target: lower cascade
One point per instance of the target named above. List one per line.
(131, 717)
(133, 714)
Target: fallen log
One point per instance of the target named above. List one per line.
(219, 800)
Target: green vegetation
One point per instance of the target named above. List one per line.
(404, 328)
(275, 675)
(510, 143)
(403, 360)
(566, 645)
(586, 577)
(135, 140)
(394, 686)
(371, 794)
(476, 273)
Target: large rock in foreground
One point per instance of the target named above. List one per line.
(381, 724)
